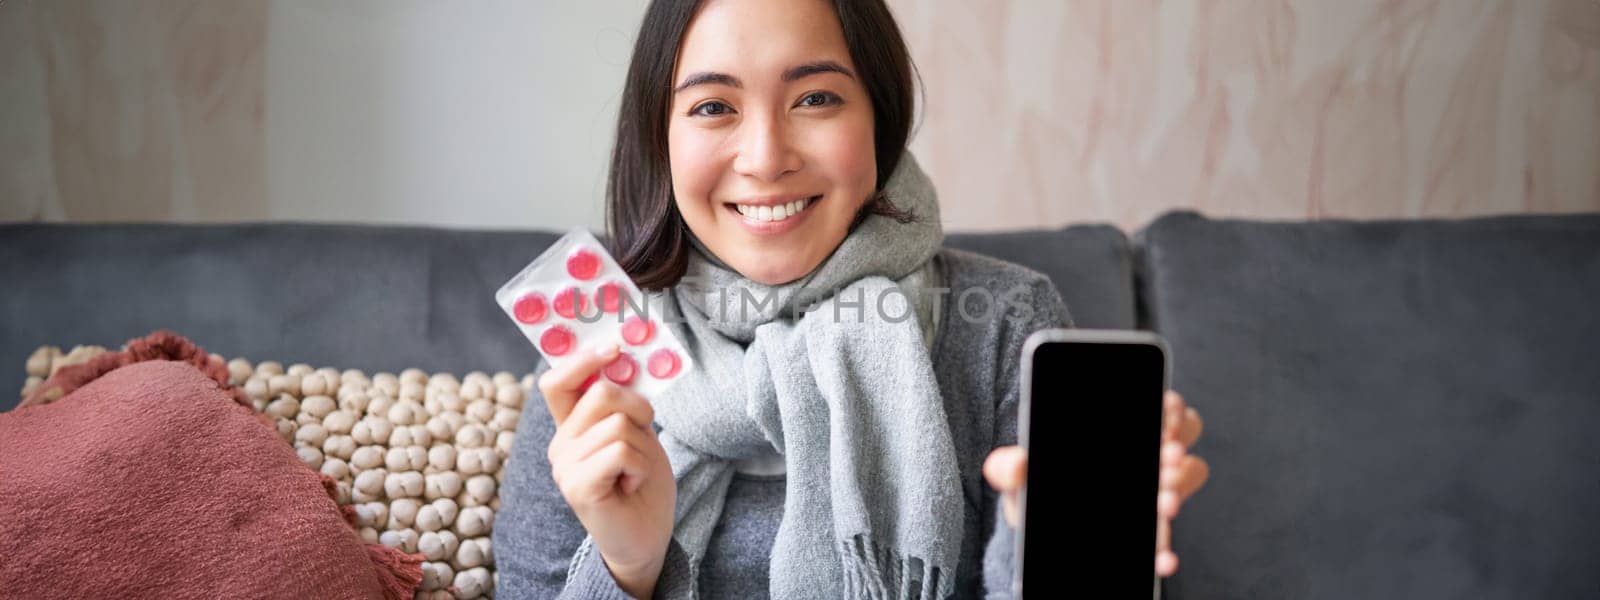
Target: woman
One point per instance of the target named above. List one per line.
(836, 435)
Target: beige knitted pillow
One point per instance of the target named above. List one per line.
(419, 457)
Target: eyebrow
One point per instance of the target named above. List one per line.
(793, 74)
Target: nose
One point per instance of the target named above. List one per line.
(766, 151)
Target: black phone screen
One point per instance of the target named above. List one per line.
(1093, 467)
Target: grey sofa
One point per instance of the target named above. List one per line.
(1394, 409)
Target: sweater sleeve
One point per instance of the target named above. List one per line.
(593, 580)
(536, 533)
(1049, 312)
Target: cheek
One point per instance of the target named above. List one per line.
(846, 153)
(695, 170)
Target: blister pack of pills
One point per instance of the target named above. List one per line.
(575, 297)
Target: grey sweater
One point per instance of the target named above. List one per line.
(977, 357)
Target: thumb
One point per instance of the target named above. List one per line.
(563, 385)
(1006, 469)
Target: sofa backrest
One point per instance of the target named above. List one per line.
(366, 297)
(327, 295)
(1393, 409)
(1091, 265)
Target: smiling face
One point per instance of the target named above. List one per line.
(770, 135)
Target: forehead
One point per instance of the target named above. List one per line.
(756, 39)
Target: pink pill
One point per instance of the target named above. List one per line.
(664, 363)
(622, 369)
(610, 296)
(557, 340)
(569, 302)
(636, 330)
(531, 308)
(583, 264)
(584, 387)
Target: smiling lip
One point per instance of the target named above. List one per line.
(764, 228)
(772, 200)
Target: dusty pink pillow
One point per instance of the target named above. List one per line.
(147, 476)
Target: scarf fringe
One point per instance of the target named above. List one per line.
(873, 570)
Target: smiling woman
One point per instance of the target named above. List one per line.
(760, 153)
(760, 91)
(770, 114)
(763, 214)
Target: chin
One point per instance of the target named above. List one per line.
(776, 270)
(774, 276)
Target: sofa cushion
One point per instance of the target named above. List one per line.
(1393, 409)
(366, 297)
(1091, 265)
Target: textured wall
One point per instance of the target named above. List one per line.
(491, 113)
(131, 110)
(1039, 112)
(1120, 109)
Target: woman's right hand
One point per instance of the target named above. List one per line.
(611, 468)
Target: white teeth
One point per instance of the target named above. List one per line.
(772, 213)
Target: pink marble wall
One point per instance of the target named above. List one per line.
(1043, 113)
(132, 110)
(1038, 112)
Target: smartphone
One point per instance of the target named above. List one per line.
(1090, 419)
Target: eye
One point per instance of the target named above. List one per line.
(819, 99)
(710, 109)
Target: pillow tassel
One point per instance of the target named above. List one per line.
(399, 573)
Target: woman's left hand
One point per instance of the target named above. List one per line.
(1181, 476)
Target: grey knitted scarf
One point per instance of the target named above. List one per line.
(845, 391)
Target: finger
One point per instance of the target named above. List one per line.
(1163, 535)
(614, 428)
(562, 385)
(1192, 474)
(1171, 414)
(1166, 560)
(1171, 453)
(1167, 503)
(584, 387)
(1006, 468)
(602, 400)
(1189, 430)
(1166, 563)
(595, 479)
(1009, 506)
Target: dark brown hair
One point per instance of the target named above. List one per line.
(647, 234)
